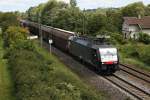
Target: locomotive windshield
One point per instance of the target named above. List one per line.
(108, 55)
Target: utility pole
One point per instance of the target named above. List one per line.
(40, 29)
(84, 21)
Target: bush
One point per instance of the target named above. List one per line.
(130, 50)
(145, 38)
(144, 53)
(140, 52)
(14, 35)
(29, 69)
(8, 19)
(117, 38)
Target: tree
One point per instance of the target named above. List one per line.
(96, 23)
(114, 20)
(8, 19)
(134, 9)
(147, 10)
(14, 35)
(73, 3)
(51, 10)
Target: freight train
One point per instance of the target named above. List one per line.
(94, 51)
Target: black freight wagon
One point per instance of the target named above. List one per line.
(60, 37)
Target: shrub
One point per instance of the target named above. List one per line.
(117, 38)
(145, 38)
(139, 51)
(144, 53)
(14, 35)
(130, 50)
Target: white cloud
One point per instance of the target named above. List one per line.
(5, 2)
(21, 5)
(89, 4)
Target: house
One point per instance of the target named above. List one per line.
(133, 25)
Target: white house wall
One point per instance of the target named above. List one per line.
(134, 28)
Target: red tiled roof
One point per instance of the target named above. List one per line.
(143, 22)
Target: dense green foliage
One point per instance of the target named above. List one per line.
(91, 22)
(8, 19)
(73, 3)
(145, 38)
(6, 83)
(14, 35)
(137, 51)
(134, 9)
(39, 76)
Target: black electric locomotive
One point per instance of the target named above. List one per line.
(96, 52)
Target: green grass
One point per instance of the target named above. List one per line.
(6, 87)
(126, 58)
(133, 61)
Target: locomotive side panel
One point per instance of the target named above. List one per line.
(80, 51)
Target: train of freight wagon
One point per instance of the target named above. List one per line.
(94, 51)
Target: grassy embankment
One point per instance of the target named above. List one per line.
(137, 56)
(6, 86)
(135, 63)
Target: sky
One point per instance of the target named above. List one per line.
(23, 5)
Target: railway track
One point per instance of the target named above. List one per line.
(136, 73)
(130, 87)
(133, 90)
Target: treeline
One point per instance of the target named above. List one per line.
(91, 22)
